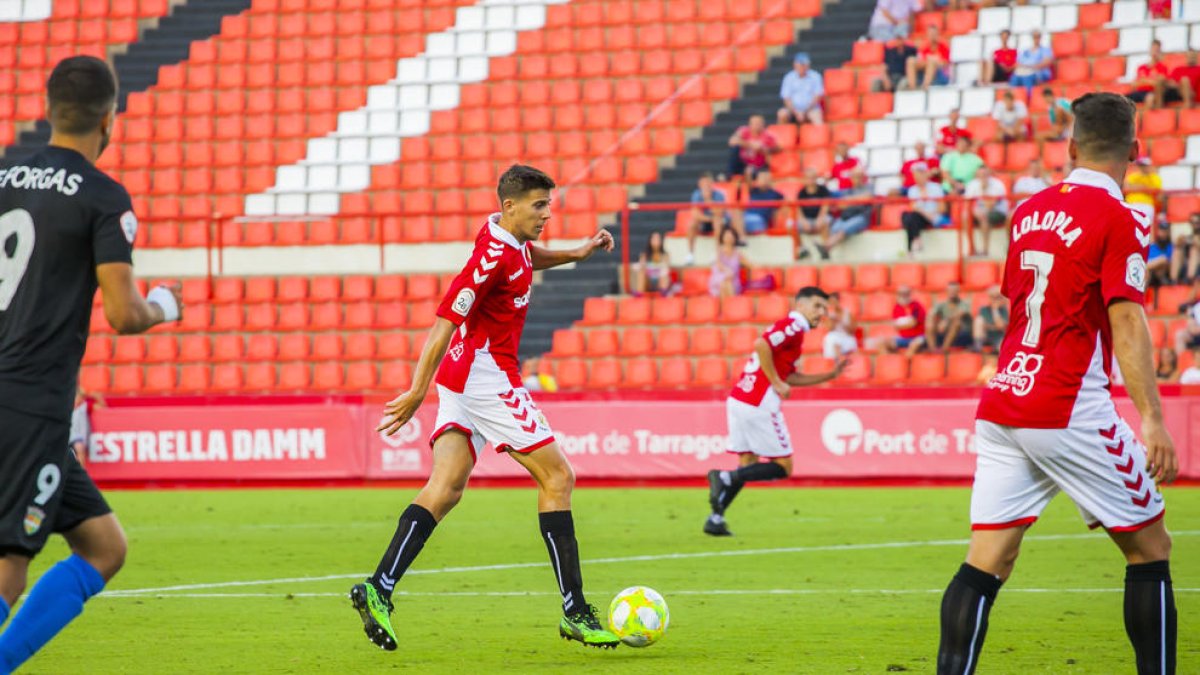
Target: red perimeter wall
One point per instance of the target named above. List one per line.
(921, 433)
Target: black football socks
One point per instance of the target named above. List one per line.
(558, 530)
(415, 526)
(1150, 617)
(751, 473)
(965, 607)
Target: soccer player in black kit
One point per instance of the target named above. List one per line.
(65, 227)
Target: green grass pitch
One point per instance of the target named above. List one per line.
(816, 581)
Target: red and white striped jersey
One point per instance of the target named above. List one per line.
(488, 302)
(1076, 248)
(786, 338)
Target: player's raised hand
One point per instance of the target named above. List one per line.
(840, 364)
(399, 411)
(1161, 462)
(602, 240)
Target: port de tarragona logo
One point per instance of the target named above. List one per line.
(406, 435)
(1018, 375)
(842, 432)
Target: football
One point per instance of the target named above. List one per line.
(639, 616)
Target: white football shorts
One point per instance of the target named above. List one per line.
(1103, 471)
(756, 430)
(509, 420)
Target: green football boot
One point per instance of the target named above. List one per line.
(375, 611)
(583, 626)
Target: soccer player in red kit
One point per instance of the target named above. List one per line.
(756, 425)
(481, 399)
(1076, 278)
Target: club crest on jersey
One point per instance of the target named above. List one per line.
(463, 302)
(1135, 272)
(522, 300)
(1018, 374)
(33, 519)
(456, 351)
(129, 225)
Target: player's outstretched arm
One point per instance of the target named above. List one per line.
(127, 311)
(1133, 346)
(400, 410)
(802, 380)
(544, 258)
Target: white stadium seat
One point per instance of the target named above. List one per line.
(291, 204)
(260, 205)
(911, 130)
(322, 176)
(469, 18)
(884, 162)
(322, 150)
(885, 184)
(1187, 10)
(909, 103)
(1135, 40)
(444, 96)
(966, 48)
(992, 20)
(1174, 38)
(1177, 177)
(1128, 13)
(966, 74)
(941, 101)
(323, 203)
(879, 133)
(1192, 154)
(352, 149)
(383, 150)
(1194, 41)
(1061, 18)
(1027, 18)
(977, 101)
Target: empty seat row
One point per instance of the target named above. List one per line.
(247, 378)
(225, 347)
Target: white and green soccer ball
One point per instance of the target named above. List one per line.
(639, 616)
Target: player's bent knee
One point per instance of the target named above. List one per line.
(786, 463)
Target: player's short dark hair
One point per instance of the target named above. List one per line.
(81, 91)
(520, 179)
(811, 292)
(1103, 126)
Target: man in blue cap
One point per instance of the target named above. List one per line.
(802, 91)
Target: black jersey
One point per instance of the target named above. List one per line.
(60, 216)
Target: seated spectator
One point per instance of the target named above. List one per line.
(841, 339)
(760, 219)
(1033, 65)
(1159, 9)
(1158, 256)
(1143, 186)
(920, 156)
(1188, 337)
(1168, 365)
(999, 68)
(1185, 265)
(959, 167)
(1186, 79)
(948, 135)
(704, 219)
(929, 208)
(652, 271)
(931, 62)
(991, 322)
(896, 53)
(1058, 112)
(892, 19)
(1150, 82)
(1192, 374)
(853, 218)
(750, 146)
(950, 325)
(990, 208)
(813, 218)
(908, 316)
(843, 165)
(727, 269)
(1030, 184)
(534, 379)
(1012, 118)
(802, 92)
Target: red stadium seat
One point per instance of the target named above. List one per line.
(672, 341)
(599, 311)
(675, 373)
(981, 274)
(633, 311)
(571, 374)
(601, 342)
(702, 309)
(567, 342)
(712, 372)
(641, 373)
(938, 275)
(160, 379)
(636, 342)
(963, 367)
(871, 277)
(605, 374)
(707, 340)
(836, 278)
(890, 369)
(927, 369)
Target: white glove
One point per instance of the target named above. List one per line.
(164, 298)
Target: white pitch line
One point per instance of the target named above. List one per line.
(742, 591)
(603, 561)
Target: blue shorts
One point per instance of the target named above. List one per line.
(755, 223)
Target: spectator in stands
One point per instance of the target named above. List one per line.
(841, 339)
(948, 135)
(813, 218)
(853, 218)
(843, 165)
(1192, 374)
(1188, 337)
(991, 322)
(760, 219)
(1158, 256)
(908, 316)
(999, 68)
(727, 269)
(892, 19)
(1033, 65)
(1059, 116)
(959, 167)
(1185, 265)
(949, 324)
(896, 54)
(1186, 79)
(1168, 365)
(1159, 9)
(534, 379)
(929, 208)
(1012, 118)
(990, 206)
(920, 156)
(1150, 82)
(704, 219)
(750, 147)
(802, 91)
(1030, 184)
(652, 272)
(931, 62)
(1143, 187)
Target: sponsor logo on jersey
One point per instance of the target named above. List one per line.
(746, 384)
(456, 351)
(35, 178)
(1018, 374)
(33, 519)
(1135, 272)
(522, 300)
(463, 302)
(129, 225)
(1053, 221)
